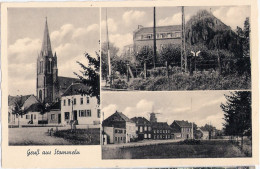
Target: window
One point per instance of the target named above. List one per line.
(41, 66)
(89, 113)
(87, 100)
(115, 130)
(149, 128)
(75, 101)
(67, 115)
(82, 113)
(98, 113)
(121, 138)
(52, 116)
(145, 135)
(145, 128)
(149, 136)
(81, 100)
(124, 131)
(27, 116)
(178, 34)
(40, 95)
(35, 116)
(68, 102)
(141, 128)
(64, 102)
(154, 131)
(115, 138)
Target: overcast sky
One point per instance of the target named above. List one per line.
(123, 21)
(200, 107)
(73, 31)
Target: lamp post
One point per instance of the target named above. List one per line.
(195, 54)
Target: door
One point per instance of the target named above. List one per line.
(75, 115)
(59, 118)
(31, 118)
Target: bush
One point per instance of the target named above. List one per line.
(120, 84)
(190, 142)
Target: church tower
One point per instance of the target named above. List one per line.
(47, 71)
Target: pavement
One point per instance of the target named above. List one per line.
(140, 143)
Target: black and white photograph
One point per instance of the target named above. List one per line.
(176, 48)
(157, 125)
(53, 76)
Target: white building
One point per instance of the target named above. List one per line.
(81, 109)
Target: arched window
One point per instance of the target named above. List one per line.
(41, 66)
(40, 95)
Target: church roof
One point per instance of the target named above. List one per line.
(65, 82)
(46, 43)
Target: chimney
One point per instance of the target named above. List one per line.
(139, 27)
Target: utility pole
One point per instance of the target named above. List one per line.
(154, 37)
(108, 55)
(183, 50)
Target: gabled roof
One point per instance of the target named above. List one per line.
(13, 99)
(76, 89)
(140, 120)
(183, 123)
(116, 117)
(160, 125)
(170, 28)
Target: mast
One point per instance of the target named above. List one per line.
(108, 54)
(154, 37)
(183, 50)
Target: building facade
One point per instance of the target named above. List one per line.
(82, 109)
(182, 129)
(144, 129)
(119, 129)
(161, 131)
(165, 35)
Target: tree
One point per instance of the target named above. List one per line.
(170, 54)
(18, 109)
(90, 76)
(43, 108)
(145, 56)
(237, 114)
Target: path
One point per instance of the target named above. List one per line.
(34, 136)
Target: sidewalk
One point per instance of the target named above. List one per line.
(139, 143)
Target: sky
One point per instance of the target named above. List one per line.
(123, 21)
(73, 32)
(200, 107)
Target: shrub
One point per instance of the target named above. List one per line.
(120, 84)
(190, 142)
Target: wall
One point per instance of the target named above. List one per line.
(119, 137)
(56, 114)
(92, 105)
(110, 133)
(23, 121)
(130, 131)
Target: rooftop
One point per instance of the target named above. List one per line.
(170, 28)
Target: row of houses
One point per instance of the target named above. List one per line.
(73, 106)
(118, 128)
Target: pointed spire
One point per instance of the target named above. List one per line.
(46, 43)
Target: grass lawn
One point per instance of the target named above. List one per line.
(196, 82)
(80, 136)
(206, 149)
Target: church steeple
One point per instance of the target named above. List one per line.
(46, 43)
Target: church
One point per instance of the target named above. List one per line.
(56, 91)
(50, 86)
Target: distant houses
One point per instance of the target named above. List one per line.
(118, 128)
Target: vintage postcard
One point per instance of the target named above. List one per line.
(130, 84)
